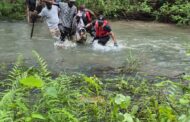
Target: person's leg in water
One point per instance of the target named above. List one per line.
(70, 34)
(64, 32)
(55, 33)
(103, 40)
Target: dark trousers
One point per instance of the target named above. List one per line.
(65, 32)
(102, 40)
(91, 31)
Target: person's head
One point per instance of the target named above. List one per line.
(100, 23)
(101, 17)
(71, 3)
(82, 7)
(101, 20)
(48, 4)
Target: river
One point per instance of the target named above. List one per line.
(161, 48)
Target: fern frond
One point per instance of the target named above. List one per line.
(43, 65)
(15, 70)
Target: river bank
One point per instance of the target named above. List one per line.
(31, 94)
(159, 10)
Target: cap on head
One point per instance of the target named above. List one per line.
(101, 17)
(72, 0)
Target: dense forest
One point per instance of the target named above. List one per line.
(175, 11)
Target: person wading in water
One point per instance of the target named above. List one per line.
(50, 13)
(87, 17)
(79, 28)
(67, 12)
(103, 31)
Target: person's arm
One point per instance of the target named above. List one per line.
(108, 28)
(92, 13)
(113, 38)
(90, 24)
(35, 14)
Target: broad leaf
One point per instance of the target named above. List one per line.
(128, 118)
(51, 91)
(119, 99)
(134, 109)
(183, 101)
(37, 116)
(32, 81)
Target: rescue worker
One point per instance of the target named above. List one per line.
(103, 31)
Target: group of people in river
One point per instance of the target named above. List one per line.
(65, 20)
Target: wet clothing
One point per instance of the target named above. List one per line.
(65, 32)
(102, 34)
(102, 31)
(86, 16)
(66, 19)
(105, 28)
(55, 33)
(78, 28)
(52, 20)
(103, 40)
(51, 16)
(67, 14)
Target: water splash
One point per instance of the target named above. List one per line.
(66, 44)
(108, 47)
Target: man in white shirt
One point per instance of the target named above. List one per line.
(50, 13)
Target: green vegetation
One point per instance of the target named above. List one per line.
(32, 95)
(177, 11)
(12, 9)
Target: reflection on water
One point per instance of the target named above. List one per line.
(160, 47)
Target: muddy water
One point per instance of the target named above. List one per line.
(161, 48)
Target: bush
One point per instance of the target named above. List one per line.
(12, 10)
